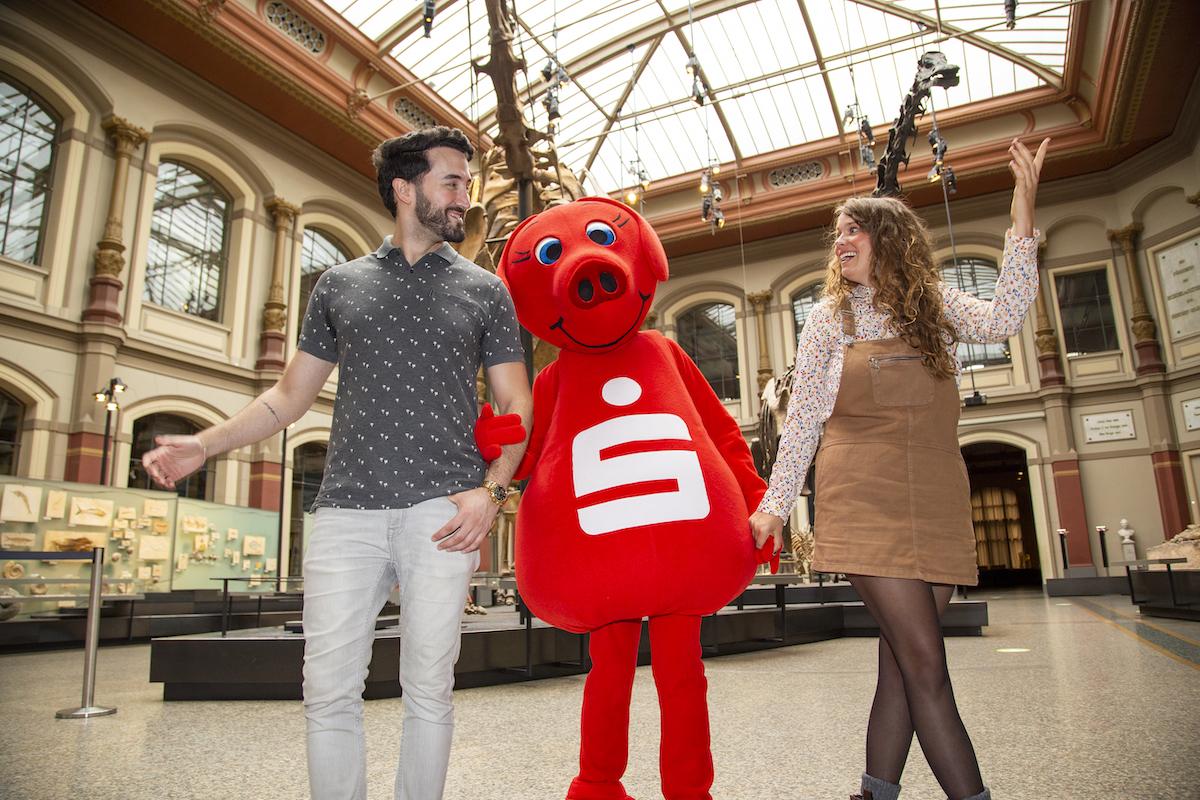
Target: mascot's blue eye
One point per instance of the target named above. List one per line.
(601, 233)
(548, 251)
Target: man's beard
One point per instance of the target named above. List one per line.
(439, 221)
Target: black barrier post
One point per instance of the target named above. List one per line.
(1062, 543)
(1100, 531)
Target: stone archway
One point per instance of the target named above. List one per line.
(1006, 543)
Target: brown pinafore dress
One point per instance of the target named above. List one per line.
(892, 496)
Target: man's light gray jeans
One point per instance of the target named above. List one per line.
(354, 559)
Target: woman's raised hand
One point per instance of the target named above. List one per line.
(1026, 169)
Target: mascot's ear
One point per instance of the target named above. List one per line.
(502, 269)
(652, 247)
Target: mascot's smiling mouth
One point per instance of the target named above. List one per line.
(559, 326)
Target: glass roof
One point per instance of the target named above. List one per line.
(778, 73)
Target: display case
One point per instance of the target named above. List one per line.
(153, 541)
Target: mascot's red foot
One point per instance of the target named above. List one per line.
(640, 486)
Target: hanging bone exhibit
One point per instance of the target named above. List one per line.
(1010, 13)
(933, 70)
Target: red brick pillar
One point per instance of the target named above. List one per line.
(1172, 494)
(264, 485)
(85, 451)
(1072, 514)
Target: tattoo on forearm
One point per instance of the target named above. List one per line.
(273, 414)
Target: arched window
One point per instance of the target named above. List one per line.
(708, 333)
(318, 252)
(803, 302)
(197, 486)
(12, 414)
(977, 276)
(187, 242)
(308, 467)
(28, 132)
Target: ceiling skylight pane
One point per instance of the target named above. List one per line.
(758, 57)
(358, 10)
(384, 16)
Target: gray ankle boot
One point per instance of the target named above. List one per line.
(986, 794)
(875, 789)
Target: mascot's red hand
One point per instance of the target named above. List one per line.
(767, 555)
(492, 431)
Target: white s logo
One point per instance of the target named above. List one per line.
(593, 474)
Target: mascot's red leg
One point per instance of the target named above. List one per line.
(685, 757)
(604, 747)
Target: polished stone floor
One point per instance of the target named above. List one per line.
(1064, 698)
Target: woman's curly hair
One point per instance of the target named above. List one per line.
(907, 283)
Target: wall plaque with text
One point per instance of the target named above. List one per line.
(1179, 273)
(1191, 414)
(1110, 427)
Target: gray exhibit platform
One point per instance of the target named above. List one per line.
(503, 647)
(1174, 594)
(152, 615)
(1087, 586)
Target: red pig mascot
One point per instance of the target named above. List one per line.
(640, 486)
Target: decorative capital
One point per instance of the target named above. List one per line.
(356, 101)
(1144, 329)
(282, 211)
(1046, 342)
(760, 300)
(274, 316)
(125, 135)
(1194, 199)
(1125, 236)
(207, 10)
(109, 261)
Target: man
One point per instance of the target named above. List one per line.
(404, 498)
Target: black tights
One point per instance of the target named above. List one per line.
(914, 691)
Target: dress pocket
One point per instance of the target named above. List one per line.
(900, 380)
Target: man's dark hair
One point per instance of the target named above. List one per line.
(405, 157)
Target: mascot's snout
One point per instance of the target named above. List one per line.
(594, 282)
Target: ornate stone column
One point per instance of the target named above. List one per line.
(104, 292)
(1145, 334)
(1156, 401)
(274, 318)
(760, 301)
(1049, 362)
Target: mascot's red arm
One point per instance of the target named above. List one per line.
(721, 428)
(545, 387)
(727, 437)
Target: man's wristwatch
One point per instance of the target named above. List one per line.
(496, 493)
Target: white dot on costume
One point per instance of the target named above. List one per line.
(621, 391)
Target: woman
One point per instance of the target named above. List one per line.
(876, 385)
